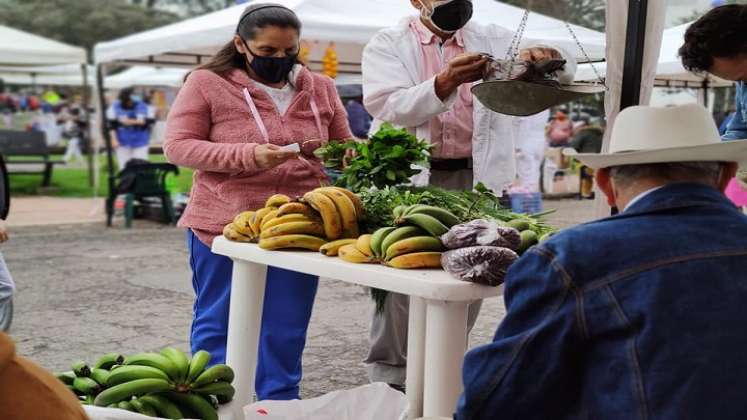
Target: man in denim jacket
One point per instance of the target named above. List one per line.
(637, 316)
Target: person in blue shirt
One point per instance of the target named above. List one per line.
(717, 44)
(128, 119)
(358, 118)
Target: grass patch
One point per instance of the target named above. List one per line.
(73, 182)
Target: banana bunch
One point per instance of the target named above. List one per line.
(413, 243)
(324, 214)
(166, 384)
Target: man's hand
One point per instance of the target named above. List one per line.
(268, 156)
(539, 53)
(464, 68)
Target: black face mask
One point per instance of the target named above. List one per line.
(271, 69)
(452, 16)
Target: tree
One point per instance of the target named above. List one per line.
(81, 22)
(587, 13)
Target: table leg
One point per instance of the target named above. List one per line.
(445, 344)
(244, 322)
(415, 357)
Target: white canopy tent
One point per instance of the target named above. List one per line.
(61, 75)
(350, 24)
(21, 48)
(669, 69)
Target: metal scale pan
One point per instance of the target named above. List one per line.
(520, 98)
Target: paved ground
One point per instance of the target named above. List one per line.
(35, 211)
(84, 290)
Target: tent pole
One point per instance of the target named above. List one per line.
(87, 113)
(634, 47)
(100, 74)
(705, 92)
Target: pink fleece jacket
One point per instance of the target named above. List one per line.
(211, 129)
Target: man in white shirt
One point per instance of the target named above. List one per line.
(418, 75)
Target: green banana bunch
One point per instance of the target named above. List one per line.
(197, 365)
(66, 378)
(86, 386)
(179, 360)
(130, 389)
(222, 390)
(193, 403)
(157, 361)
(444, 216)
(81, 369)
(124, 405)
(214, 374)
(101, 376)
(399, 234)
(108, 360)
(133, 372)
(428, 223)
(377, 240)
(143, 408)
(165, 407)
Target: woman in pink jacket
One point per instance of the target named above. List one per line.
(229, 122)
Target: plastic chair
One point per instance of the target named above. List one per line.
(139, 181)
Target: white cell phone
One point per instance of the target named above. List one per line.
(293, 147)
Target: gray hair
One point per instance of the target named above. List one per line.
(700, 172)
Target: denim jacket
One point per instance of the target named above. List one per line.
(737, 128)
(638, 316)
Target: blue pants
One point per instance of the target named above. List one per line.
(289, 298)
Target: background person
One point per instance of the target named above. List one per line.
(418, 75)
(717, 43)
(588, 139)
(529, 140)
(128, 118)
(229, 122)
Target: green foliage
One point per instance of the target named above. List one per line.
(386, 159)
(480, 203)
(81, 22)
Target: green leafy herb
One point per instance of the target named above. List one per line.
(387, 159)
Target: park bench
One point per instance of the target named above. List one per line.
(26, 152)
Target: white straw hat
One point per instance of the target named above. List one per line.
(644, 134)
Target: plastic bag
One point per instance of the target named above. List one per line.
(370, 402)
(481, 232)
(485, 265)
(103, 413)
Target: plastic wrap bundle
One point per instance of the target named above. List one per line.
(481, 232)
(479, 264)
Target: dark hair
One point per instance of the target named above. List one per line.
(125, 97)
(254, 18)
(722, 32)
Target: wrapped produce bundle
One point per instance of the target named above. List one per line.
(485, 265)
(481, 232)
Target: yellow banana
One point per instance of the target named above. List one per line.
(279, 220)
(232, 234)
(359, 210)
(331, 249)
(351, 254)
(277, 200)
(417, 260)
(292, 242)
(414, 244)
(294, 228)
(296, 208)
(256, 220)
(363, 244)
(346, 209)
(326, 207)
(242, 221)
(269, 216)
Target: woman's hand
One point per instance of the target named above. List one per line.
(268, 156)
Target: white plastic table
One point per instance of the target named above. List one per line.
(437, 335)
